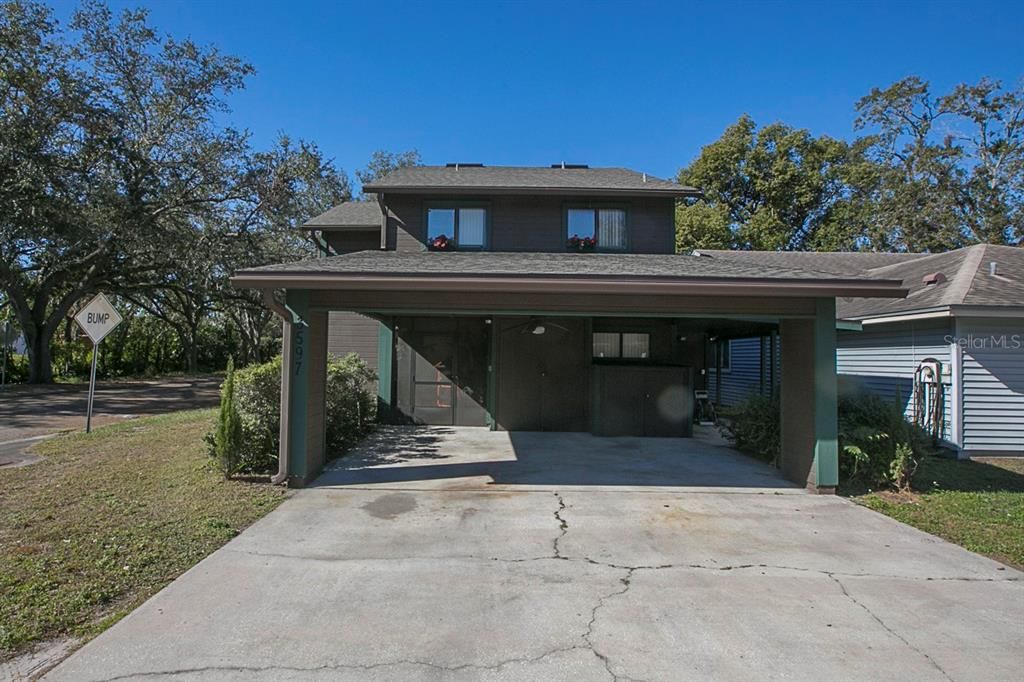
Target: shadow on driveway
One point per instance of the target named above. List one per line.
(467, 457)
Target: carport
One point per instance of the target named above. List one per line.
(508, 340)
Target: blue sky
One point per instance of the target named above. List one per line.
(638, 84)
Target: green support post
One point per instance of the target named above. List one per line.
(385, 369)
(826, 401)
(297, 302)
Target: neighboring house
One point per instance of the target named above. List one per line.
(965, 311)
(543, 299)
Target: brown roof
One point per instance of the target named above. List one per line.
(968, 281)
(391, 268)
(526, 180)
(349, 215)
(836, 262)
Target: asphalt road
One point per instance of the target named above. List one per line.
(28, 412)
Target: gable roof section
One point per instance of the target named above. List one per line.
(526, 180)
(559, 273)
(348, 215)
(968, 282)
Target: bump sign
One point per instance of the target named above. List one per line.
(98, 318)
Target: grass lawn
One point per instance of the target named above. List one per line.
(108, 519)
(976, 504)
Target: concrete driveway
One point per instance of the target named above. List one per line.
(444, 554)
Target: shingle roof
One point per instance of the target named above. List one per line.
(525, 180)
(836, 262)
(682, 268)
(351, 214)
(968, 281)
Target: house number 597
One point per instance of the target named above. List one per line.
(298, 347)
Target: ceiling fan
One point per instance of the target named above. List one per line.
(537, 326)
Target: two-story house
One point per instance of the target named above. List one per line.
(543, 299)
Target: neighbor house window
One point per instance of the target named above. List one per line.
(596, 228)
(462, 227)
(622, 345)
(725, 348)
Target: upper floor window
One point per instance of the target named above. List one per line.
(452, 227)
(596, 228)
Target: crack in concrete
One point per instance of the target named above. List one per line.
(558, 556)
(563, 526)
(741, 567)
(888, 629)
(588, 635)
(345, 666)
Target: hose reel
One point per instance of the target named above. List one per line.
(929, 409)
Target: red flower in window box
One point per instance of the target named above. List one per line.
(442, 243)
(578, 243)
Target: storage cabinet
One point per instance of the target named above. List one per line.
(642, 400)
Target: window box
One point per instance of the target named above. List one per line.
(581, 244)
(442, 243)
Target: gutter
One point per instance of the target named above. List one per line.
(287, 324)
(563, 285)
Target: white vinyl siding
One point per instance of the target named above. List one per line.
(993, 385)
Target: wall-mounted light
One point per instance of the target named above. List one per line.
(538, 329)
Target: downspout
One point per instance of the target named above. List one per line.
(383, 221)
(287, 324)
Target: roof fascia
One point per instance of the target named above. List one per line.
(558, 191)
(577, 284)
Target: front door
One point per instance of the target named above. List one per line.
(442, 370)
(433, 379)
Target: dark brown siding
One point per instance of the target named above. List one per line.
(353, 333)
(536, 223)
(347, 241)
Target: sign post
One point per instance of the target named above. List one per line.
(3, 367)
(97, 319)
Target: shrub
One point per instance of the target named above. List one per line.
(877, 445)
(228, 438)
(259, 406)
(753, 426)
(349, 410)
